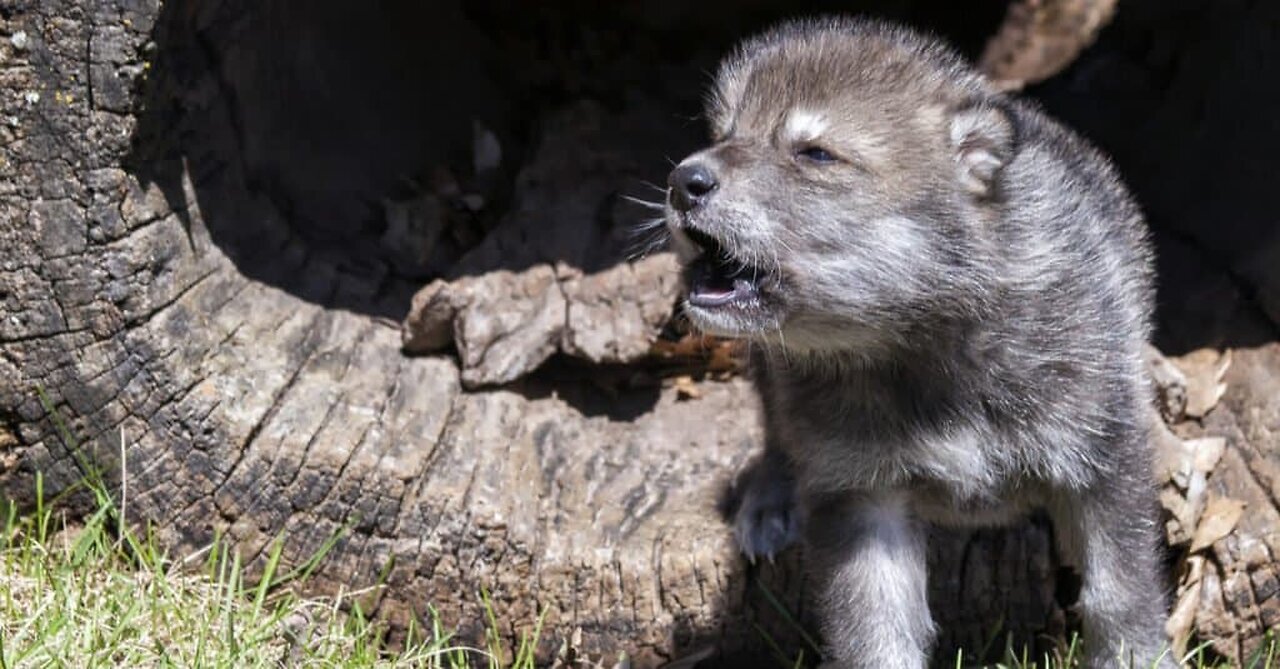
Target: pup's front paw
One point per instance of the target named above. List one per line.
(767, 519)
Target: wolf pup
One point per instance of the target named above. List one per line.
(946, 295)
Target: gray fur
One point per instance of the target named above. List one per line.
(947, 327)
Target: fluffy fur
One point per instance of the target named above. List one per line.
(947, 295)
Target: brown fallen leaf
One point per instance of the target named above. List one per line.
(703, 351)
(1220, 517)
(727, 356)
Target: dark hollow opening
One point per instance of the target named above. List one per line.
(348, 157)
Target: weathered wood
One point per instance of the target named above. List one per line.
(189, 262)
(1239, 597)
(1041, 37)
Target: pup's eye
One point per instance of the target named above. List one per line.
(817, 154)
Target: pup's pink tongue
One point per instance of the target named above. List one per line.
(704, 295)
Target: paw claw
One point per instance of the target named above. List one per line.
(767, 521)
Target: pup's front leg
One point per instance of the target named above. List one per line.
(870, 556)
(766, 516)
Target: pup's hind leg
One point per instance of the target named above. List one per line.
(1110, 533)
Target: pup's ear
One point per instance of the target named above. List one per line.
(982, 137)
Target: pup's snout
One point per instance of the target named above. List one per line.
(690, 185)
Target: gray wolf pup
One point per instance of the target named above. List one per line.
(946, 295)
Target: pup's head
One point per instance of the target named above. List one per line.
(841, 202)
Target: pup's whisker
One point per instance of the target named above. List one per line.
(644, 203)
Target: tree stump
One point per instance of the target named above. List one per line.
(213, 219)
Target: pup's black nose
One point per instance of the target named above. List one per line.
(690, 184)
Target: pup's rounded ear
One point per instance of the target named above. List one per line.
(982, 138)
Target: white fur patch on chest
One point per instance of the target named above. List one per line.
(960, 458)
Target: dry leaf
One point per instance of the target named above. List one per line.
(1197, 493)
(1178, 625)
(1186, 466)
(1172, 456)
(1182, 618)
(727, 357)
(1204, 369)
(712, 353)
(1220, 517)
(1206, 452)
(687, 346)
(1176, 530)
(686, 389)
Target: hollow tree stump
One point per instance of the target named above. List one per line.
(196, 260)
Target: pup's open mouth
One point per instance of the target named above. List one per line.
(716, 279)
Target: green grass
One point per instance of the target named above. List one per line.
(94, 594)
